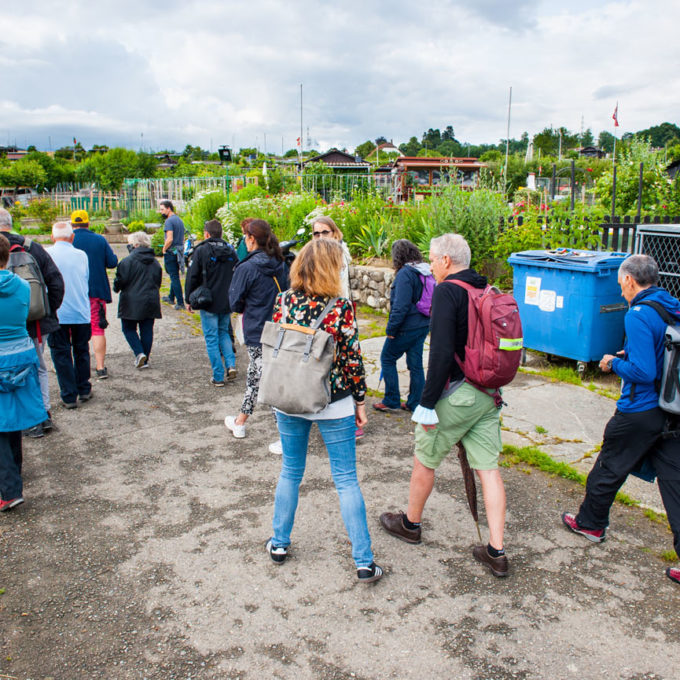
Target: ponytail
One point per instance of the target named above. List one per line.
(265, 238)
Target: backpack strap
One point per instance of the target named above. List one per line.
(669, 318)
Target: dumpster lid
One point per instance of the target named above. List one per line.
(581, 259)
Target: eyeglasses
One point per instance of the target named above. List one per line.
(317, 234)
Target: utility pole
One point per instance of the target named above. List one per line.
(300, 127)
(507, 146)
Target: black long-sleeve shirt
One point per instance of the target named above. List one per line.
(448, 334)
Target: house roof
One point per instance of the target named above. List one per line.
(413, 162)
(339, 159)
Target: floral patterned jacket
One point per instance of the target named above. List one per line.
(347, 373)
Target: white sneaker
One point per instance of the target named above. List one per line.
(239, 431)
(140, 360)
(276, 448)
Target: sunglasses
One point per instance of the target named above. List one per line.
(317, 234)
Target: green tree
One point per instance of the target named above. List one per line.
(448, 135)
(23, 173)
(606, 141)
(365, 149)
(587, 138)
(381, 140)
(411, 147)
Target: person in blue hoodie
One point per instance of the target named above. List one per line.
(21, 404)
(634, 432)
(406, 329)
(256, 282)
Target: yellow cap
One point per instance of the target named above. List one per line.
(80, 217)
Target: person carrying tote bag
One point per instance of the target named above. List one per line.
(312, 302)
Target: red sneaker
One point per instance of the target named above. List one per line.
(12, 503)
(673, 574)
(594, 535)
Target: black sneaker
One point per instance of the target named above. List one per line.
(168, 299)
(102, 373)
(278, 555)
(35, 432)
(178, 306)
(369, 574)
(48, 425)
(217, 383)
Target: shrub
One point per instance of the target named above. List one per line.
(98, 228)
(136, 225)
(44, 210)
(157, 241)
(203, 207)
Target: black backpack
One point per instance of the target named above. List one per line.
(25, 266)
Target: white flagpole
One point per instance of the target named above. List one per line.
(507, 145)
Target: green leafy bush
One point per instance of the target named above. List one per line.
(248, 192)
(136, 225)
(202, 208)
(98, 228)
(157, 241)
(44, 210)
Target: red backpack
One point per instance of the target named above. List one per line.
(493, 350)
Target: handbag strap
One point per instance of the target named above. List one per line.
(326, 309)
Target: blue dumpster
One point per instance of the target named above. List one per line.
(570, 302)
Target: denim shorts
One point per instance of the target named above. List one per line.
(468, 416)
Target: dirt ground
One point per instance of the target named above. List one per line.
(139, 553)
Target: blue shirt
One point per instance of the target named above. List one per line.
(176, 226)
(74, 268)
(15, 297)
(100, 257)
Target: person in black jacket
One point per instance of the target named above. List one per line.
(212, 266)
(257, 281)
(451, 410)
(138, 280)
(39, 330)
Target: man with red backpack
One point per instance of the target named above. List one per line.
(452, 409)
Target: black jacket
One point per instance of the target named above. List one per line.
(53, 280)
(218, 258)
(449, 321)
(253, 291)
(138, 280)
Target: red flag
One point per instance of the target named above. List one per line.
(298, 141)
(74, 141)
(615, 115)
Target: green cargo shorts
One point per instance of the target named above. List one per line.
(468, 416)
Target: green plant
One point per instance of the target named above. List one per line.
(248, 192)
(44, 210)
(540, 429)
(157, 241)
(136, 225)
(202, 208)
(372, 238)
(98, 228)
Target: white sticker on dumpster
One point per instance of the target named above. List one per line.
(547, 300)
(532, 290)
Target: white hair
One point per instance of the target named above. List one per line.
(62, 230)
(453, 245)
(5, 219)
(139, 238)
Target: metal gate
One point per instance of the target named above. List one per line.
(662, 242)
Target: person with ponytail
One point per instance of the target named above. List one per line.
(257, 280)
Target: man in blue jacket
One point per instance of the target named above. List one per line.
(100, 257)
(634, 432)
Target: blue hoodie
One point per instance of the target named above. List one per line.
(405, 293)
(642, 364)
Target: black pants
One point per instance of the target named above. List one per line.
(71, 358)
(628, 438)
(11, 485)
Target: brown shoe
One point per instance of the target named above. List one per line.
(393, 523)
(497, 565)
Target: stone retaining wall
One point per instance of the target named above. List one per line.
(371, 286)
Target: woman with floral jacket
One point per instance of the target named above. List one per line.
(315, 280)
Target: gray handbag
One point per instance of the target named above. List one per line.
(296, 364)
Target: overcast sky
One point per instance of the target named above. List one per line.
(165, 73)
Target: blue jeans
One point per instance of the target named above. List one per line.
(338, 436)
(70, 350)
(11, 485)
(172, 268)
(216, 329)
(410, 343)
(140, 341)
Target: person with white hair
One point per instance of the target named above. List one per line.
(69, 345)
(138, 280)
(452, 410)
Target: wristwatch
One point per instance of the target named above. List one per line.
(609, 364)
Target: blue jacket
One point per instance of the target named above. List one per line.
(404, 294)
(642, 364)
(100, 256)
(21, 404)
(253, 292)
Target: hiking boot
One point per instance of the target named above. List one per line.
(594, 535)
(35, 432)
(278, 555)
(379, 406)
(12, 503)
(102, 373)
(48, 425)
(370, 573)
(239, 431)
(140, 360)
(217, 383)
(393, 523)
(673, 574)
(231, 373)
(498, 566)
